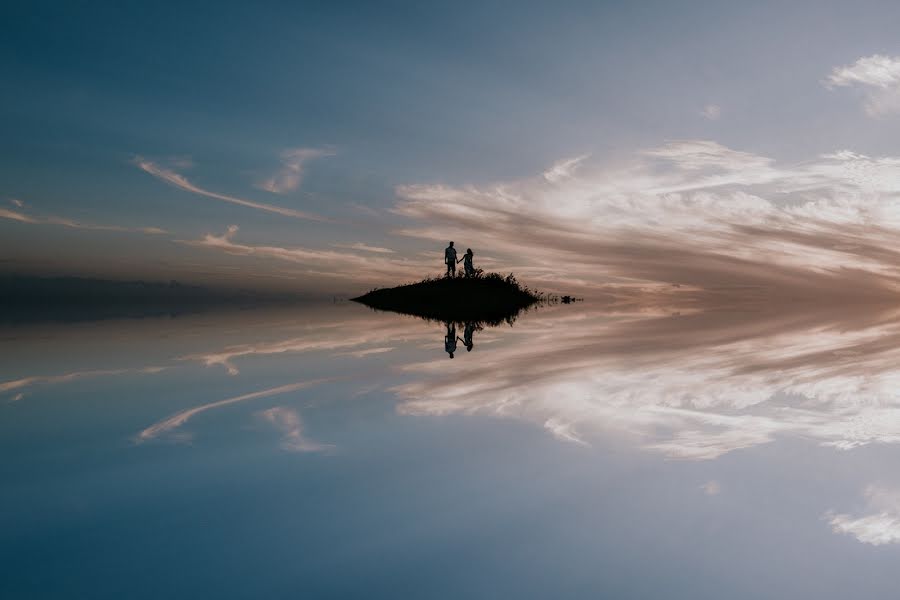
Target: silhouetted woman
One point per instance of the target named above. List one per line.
(467, 263)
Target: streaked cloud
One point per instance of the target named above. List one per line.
(877, 76)
(880, 526)
(364, 248)
(331, 264)
(293, 162)
(16, 202)
(22, 217)
(177, 180)
(288, 422)
(711, 112)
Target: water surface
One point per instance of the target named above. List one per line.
(329, 451)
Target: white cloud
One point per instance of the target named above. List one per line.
(175, 179)
(16, 202)
(879, 78)
(711, 112)
(289, 423)
(293, 161)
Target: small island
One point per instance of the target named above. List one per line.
(490, 298)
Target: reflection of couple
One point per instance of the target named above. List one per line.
(451, 337)
(451, 261)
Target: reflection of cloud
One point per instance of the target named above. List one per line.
(288, 422)
(178, 419)
(17, 202)
(693, 386)
(357, 336)
(711, 488)
(881, 526)
(325, 263)
(15, 384)
(711, 112)
(181, 182)
(53, 220)
(878, 76)
(291, 173)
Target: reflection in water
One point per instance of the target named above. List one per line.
(335, 400)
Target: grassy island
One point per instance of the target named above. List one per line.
(489, 298)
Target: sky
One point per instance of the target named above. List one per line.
(332, 147)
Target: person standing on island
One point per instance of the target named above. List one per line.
(450, 260)
(467, 263)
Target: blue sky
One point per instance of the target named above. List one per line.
(337, 106)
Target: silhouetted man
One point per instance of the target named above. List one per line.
(450, 260)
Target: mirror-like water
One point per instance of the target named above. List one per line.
(332, 451)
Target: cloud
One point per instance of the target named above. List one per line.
(288, 422)
(175, 179)
(173, 422)
(692, 212)
(880, 527)
(330, 264)
(64, 222)
(289, 177)
(364, 248)
(878, 76)
(711, 112)
(17, 203)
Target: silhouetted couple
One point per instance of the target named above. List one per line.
(451, 337)
(451, 261)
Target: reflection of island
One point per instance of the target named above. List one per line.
(491, 299)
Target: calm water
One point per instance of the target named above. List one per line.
(333, 452)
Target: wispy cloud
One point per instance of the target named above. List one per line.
(878, 77)
(293, 162)
(16, 202)
(364, 248)
(22, 217)
(175, 179)
(321, 262)
(289, 423)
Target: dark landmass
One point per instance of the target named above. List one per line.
(26, 298)
(488, 299)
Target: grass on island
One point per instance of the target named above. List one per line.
(488, 298)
